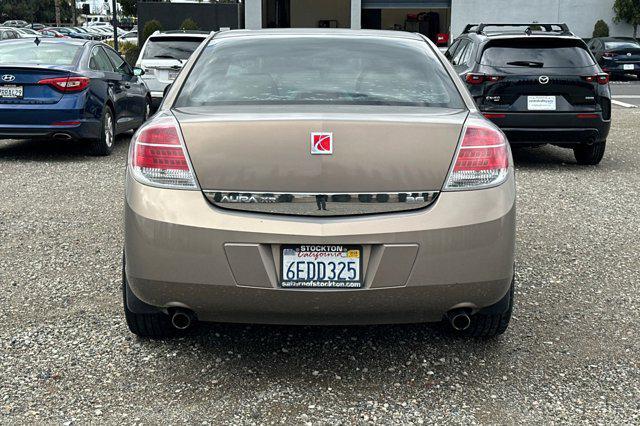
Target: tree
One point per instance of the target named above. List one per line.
(150, 28)
(189, 24)
(601, 29)
(42, 11)
(627, 11)
(56, 4)
(129, 7)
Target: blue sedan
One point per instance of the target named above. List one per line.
(69, 89)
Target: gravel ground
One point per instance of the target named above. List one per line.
(570, 355)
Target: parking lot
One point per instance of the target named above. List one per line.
(570, 355)
(627, 92)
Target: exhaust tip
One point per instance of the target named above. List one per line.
(62, 136)
(182, 319)
(459, 320)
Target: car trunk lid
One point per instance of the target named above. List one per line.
(512, 89)
(19, 85)
(164, 70)
(268, 148)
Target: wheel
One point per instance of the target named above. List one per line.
(493, 320)
(147, 113)
(154, 325)
(104, 144)
(590, 155)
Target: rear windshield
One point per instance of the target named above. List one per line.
(615, 45)
(44, 54)
(171, 47)
(536, 54)
(319, 70)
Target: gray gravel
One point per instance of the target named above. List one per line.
(571, 355)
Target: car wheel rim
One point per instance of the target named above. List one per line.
(147, 111)
(108, 130)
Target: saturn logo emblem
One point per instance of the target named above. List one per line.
(543, 79)
(8, 78)
(321, 143)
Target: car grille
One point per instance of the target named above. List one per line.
(322, 205)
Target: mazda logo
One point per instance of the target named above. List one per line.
(543, 79)
(8, 78)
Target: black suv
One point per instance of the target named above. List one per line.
(539, 83)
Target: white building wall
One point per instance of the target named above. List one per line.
(580, 15)
(253, 14)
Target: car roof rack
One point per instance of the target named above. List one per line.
(559, 28)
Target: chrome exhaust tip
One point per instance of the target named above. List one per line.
(459, 320)
(62, 136)
(182, 319)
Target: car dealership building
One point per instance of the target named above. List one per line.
(432, 16)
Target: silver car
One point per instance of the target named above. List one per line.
(162, 57)
(319, 177)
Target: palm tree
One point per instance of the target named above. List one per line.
(57, 7)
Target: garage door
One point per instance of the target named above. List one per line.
(405, 4)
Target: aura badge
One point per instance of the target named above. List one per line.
(321, 143)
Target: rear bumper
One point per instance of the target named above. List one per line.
(68, 117)
(183, 252)
(617, 69)
(557, 128)
(85, 130)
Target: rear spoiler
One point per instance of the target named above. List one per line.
(558, 28)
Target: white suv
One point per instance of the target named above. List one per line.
(162, 58)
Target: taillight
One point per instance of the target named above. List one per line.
(158, 156)
(67, 84)
(602, 78)
(473, 78)
(442, 38)
(482, 159)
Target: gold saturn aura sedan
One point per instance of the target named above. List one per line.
(318, 177)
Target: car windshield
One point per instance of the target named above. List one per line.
(179, 48)
(319, 70)
(44, 53)
(615, 45)
(536, 53)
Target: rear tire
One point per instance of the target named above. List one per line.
(590, 155)
(148, 325)
(147, 113)
(104, 144)
(488, 324)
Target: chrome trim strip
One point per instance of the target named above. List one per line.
(321, 204)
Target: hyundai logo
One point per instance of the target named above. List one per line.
(8, 78)
(543, 79)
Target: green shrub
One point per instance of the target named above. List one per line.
(189, 24)
(601, 29)
(150, 28)
(131, 55)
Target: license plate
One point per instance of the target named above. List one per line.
(14, 92)
(321, 266)
(541, 103)
(628, 67)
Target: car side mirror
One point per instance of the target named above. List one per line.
(138, 71)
